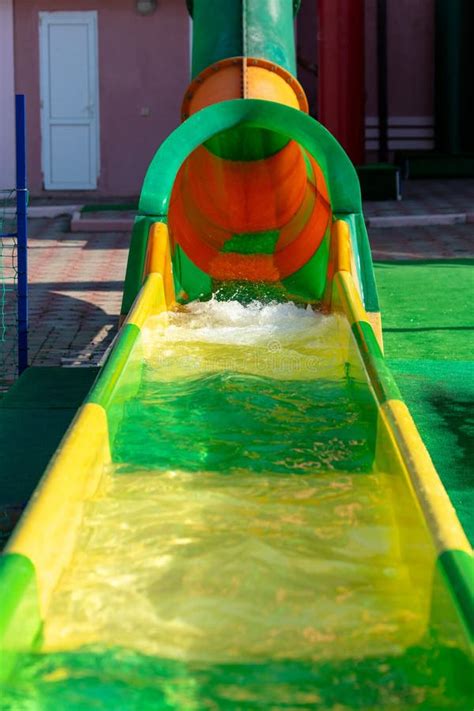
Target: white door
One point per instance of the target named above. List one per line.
(69, 100)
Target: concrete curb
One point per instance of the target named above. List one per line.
(99, 224)
(91, 224)
(460, 218)
(85, 222)
(52, 211)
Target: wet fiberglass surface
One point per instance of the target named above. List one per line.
(245, 550)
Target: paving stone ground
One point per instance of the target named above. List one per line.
(422, 243)
(427, 197)
(76, 279)
(75, 290)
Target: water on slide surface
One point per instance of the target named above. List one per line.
(244, 550)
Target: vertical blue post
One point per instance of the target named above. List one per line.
(22, 231)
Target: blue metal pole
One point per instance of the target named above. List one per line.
(22, 231)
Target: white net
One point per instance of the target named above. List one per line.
(8, 289)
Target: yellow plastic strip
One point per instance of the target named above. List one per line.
(341, 235)
(159, 258)
(47, 530)
(349, 296)
(151, 300)
(375, 321)
(342, 260)
(439, 512)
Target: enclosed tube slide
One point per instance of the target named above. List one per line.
(250, 203)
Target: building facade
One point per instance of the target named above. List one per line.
(104, 85)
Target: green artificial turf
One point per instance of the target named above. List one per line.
(427, 308)
(34, 416)
(428, 327)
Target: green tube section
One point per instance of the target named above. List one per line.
(243, 28)
(229, 224)
(261, 187)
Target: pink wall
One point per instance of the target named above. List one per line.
(410, 57)
(143, 62)
(7, 99)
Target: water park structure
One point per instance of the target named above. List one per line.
(242, 513)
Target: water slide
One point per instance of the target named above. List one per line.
(242, 514)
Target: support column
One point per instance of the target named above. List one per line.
(454, 95)
(341, 73)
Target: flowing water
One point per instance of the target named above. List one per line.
(244, 550)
